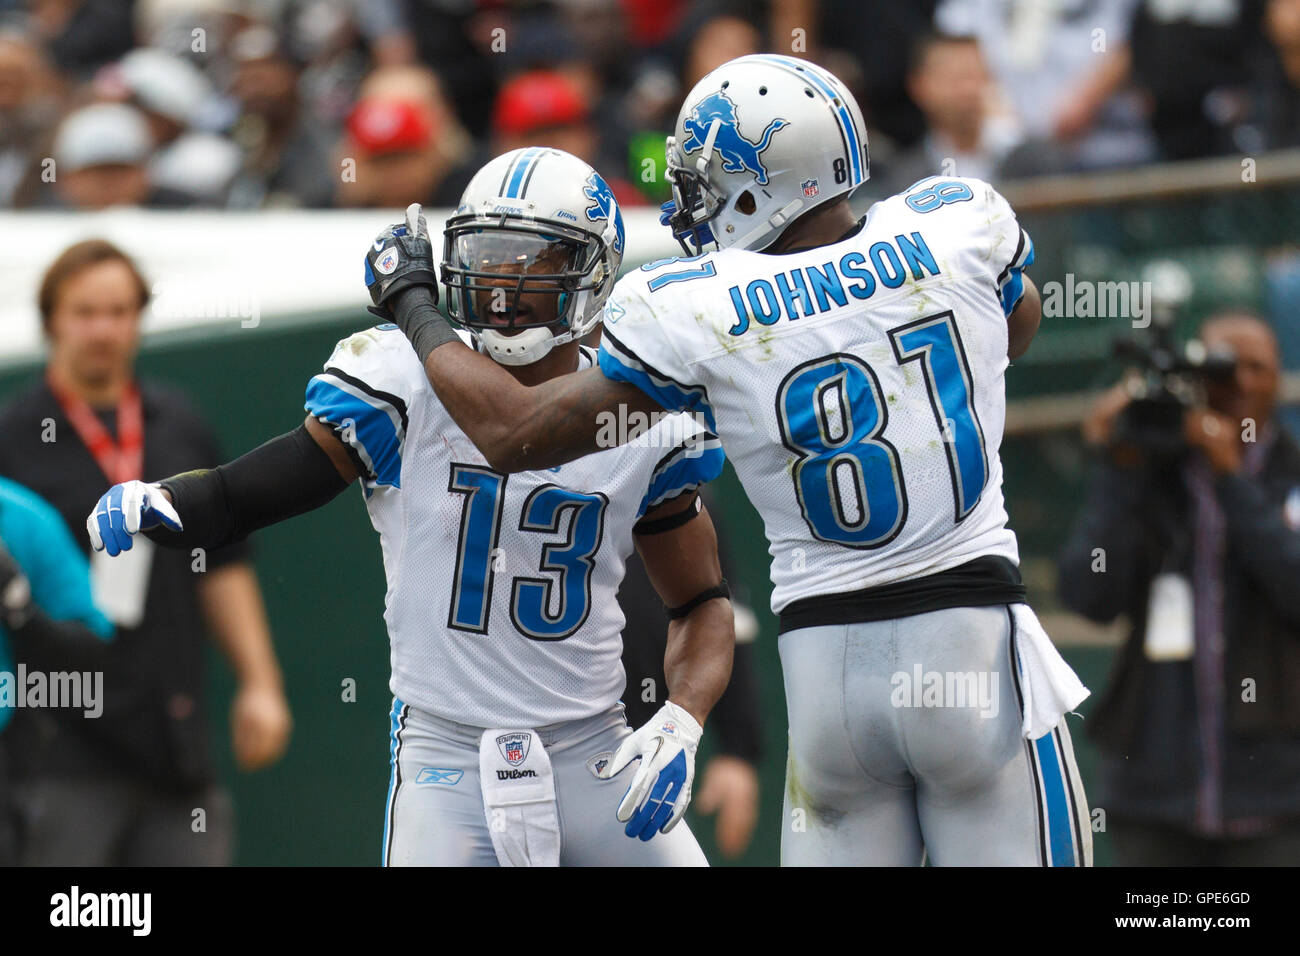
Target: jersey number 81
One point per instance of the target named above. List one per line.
(848, 478)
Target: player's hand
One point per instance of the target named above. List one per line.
(1217, 436)
(1099, 424)
(124, 511)
(260, 724)
(730, 789)
(401, 257)
(703, 232)
(661, 789)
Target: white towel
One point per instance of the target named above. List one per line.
(519, 798)
(1049, 686)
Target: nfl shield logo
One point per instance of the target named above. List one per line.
(514, 747)
(387, 262)
(810, 188)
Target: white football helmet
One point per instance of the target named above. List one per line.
(534, 221)
(760, 140)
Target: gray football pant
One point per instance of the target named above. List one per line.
(432, 821)
(884, 767)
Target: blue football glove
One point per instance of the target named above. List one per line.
(699, 237)
(401, 256)
(124, 511)
(667, 211)
(661, 789)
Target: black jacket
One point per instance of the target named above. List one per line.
(154, 726)
(1145, 722)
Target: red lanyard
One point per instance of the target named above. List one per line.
(122, 460)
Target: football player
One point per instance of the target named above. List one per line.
(508, 741)
(854, 370)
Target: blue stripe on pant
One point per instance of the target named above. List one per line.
(396, 719)
(1059, 822)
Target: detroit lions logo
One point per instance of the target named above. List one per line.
(603, 206)
(737, 152)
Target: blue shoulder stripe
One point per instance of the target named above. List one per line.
(1011, 284)
(683, 469)
(621, 364)
(372, 428)
(395, 401)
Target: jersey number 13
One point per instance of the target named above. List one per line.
(477, 556)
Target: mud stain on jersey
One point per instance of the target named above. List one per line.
(360, 341)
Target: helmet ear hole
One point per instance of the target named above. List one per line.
(745, 203)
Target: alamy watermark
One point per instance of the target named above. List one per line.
(206, 300)
(1084, 299)
(652, 430)
(70, 690)
(977, 690)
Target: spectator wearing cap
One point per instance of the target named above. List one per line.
(406, 143)
(190, 166)
(171, 92)
(548, 108)
(286, 160)
(100, 158)
(198, 169)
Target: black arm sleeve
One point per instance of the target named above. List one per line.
(284, 477)
(50, 645)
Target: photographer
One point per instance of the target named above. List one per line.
(1194, 534)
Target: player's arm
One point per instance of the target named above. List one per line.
(679, 547)
(211, 507)
(516, 427)
(682, 564)
(1022, 323)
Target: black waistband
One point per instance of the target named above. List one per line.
(985, 581)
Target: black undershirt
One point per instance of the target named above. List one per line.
(987, 580)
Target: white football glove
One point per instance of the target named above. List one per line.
(124, 511)
(661, 789)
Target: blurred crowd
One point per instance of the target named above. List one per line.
(246, 104)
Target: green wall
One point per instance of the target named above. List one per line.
(324, 588)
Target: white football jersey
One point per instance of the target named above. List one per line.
(501, 604)
(857, 387)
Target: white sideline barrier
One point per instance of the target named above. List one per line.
(216, 268)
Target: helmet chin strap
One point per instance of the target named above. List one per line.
(522, 348)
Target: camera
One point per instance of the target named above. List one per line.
(1169, 377)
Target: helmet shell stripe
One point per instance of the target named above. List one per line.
(514, 190)
(846, 121)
